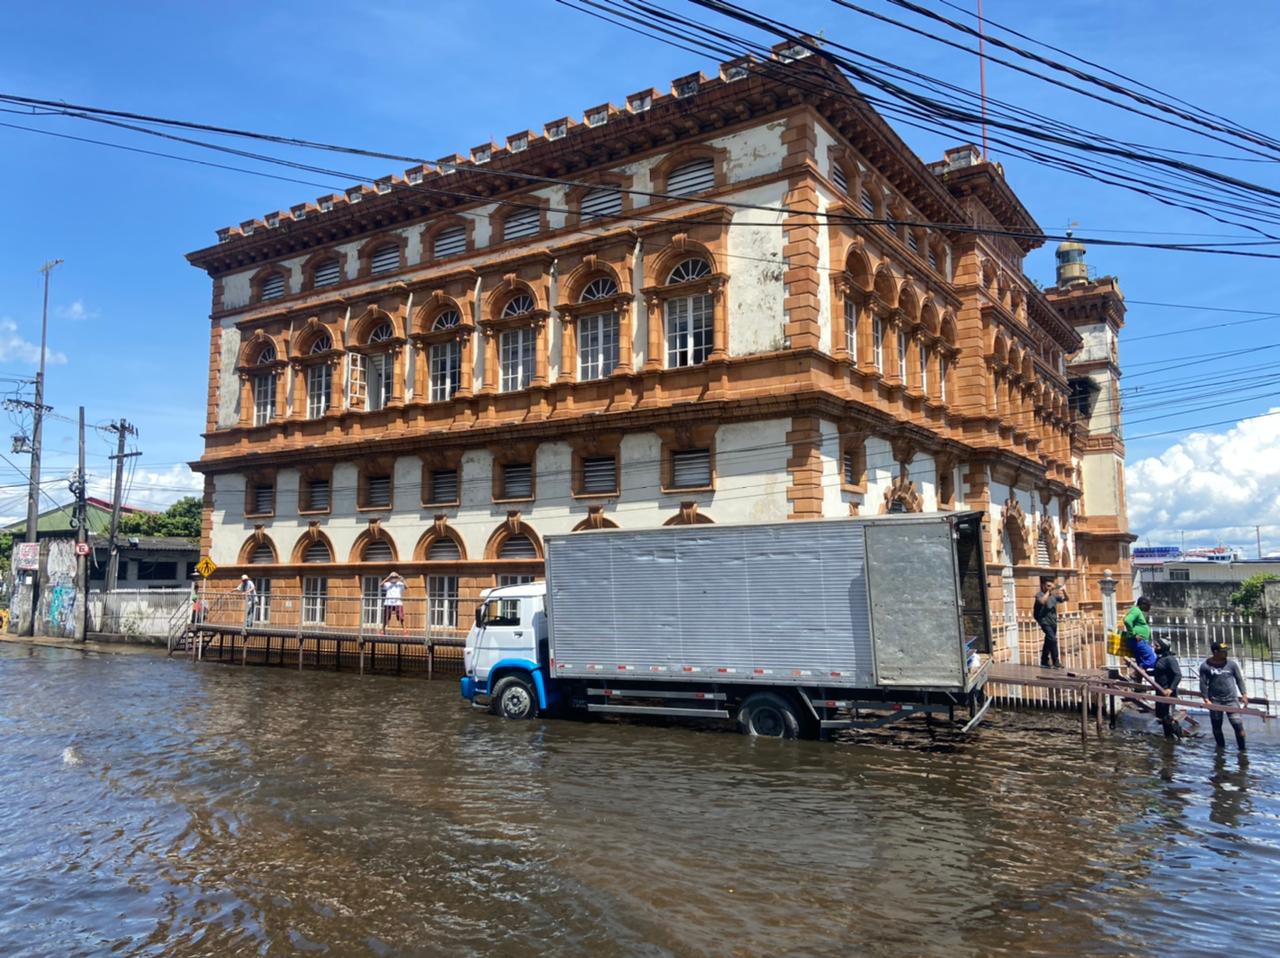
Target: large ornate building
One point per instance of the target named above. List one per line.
(743, 300)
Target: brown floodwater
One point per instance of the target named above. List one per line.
(157, 807)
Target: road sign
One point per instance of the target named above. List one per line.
(26, 555)
(82, 548)
(206, 567)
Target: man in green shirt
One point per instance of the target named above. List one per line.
(1137, 627)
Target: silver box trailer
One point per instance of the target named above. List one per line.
(893, 603)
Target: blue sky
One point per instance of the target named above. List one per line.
(128, 316)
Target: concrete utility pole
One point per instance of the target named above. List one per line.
(122, 429)
(82, 541)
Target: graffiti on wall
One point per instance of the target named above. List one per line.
(58, 597)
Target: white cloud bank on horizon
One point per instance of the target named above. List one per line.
(1211, 487)
(155, 491)
(13, 348)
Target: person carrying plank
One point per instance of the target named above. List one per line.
(1220, 681)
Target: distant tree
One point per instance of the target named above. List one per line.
(182, 520)
(1248, 598)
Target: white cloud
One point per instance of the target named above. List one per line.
(77, 310)
(1211, 488)
(149, 489)
(13, 348)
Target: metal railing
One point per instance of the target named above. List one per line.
(1253, 644)
(1018, 639)
(140, 612)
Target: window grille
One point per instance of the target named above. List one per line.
(600, 288)
(690, 329)
(264, 499)
(444, 549)
(378, 492)
(262, 554)
(381, 333)
(687, 270)
(868, 204)
(840, 177)
(597, 346)
(877, 343)
(601, 202)
(518, 547)
(379, 550)
(319, 386)
(315, 599)
(273, 287)
(444, 485)
(442, 601)
(521, 223)
(446, 370)
(693, 177)
(318, 495)
(450, 242)
(385, 259)
(600, 474)
(317, 552)
(517, 481)
(851, 329)
(517, 356)
(518, 305)
(691, 469)
(267, 356)
(264, 398)
(371, 600)
(449, 319)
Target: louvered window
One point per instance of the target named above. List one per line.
(444, 549)
(328, 273)
(450, 242)
(841, 177)
(517, 481)
(597, 346)
(690, 330)
(521, 223)
(377, 492)
(385, 259)
(444, 485)
(516, 349)
(264, 499)
(317, 552)
(691, 469)
(868, 204)
(318, 495)
(263, 554)
(379, 550)
(913, 241)
(600, 475)
(315, 599)
(693, 177)
(518, 547)
(849, 465)
(442, 601)
(1042, 550)
(273, 286)
(851, 329)
(602, 202)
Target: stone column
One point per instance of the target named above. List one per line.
(568, 348)
(490, 384)
(657, 342)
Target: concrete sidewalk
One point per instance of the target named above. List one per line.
(102, 643)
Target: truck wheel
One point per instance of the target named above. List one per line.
(514, 699)
(766, 715)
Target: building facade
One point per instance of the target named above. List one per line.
(744, 300)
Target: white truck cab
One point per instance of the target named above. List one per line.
(505, 658)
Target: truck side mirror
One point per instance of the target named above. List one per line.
(479, 616)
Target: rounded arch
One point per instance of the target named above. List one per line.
(373, 537)
(379, 245)
(858, 266)
(989, 276)
(689, 515)
(684, 155)
(508, 291)
(453, 221)
(948, 328)
(1028, 367)
(886, 287)
(675, 253)
(929, 317)
(513, 529)
(596, 522)
(256, 549)
(427, 315)
(269, 283)
(331, 265)
(1015, 360)
(252, 350)
(582, 276)
(372, 318)
(908, 304)
(310, 538)
(1000, 348)
(305, 339)
(437, 534)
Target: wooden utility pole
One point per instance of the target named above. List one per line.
(122, 429)
(82, 542)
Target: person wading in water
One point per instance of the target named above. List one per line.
(1220, 681)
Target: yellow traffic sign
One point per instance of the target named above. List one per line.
(206, 567)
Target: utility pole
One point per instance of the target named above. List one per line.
(82, 542)
(1257, 533)
(27, 625)
(122, 429)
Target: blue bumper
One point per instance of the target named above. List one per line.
(468, 688)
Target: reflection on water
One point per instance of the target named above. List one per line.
(153, 807)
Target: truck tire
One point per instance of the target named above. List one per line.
(768, 715)
(514, 699)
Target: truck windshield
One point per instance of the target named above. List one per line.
(501, 612)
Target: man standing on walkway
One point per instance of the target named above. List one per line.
(1137, 628)
(1050, 596)
(392, 600)
(1220, 681)
(250, 593)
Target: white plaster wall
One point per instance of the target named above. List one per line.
(1101, 493)
(824, 271)
(825, 139)
(1097, 343)
(754, 151)
(349, 254)
(756, 291)
(413, 244)
(835, 501)
(559, 203)
(482, 234)
(229, 379)
(639, 311)
(881, 469)
(236, 289)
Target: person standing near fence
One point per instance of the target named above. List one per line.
(393, 600)
(250, 592)
(1168, 675)
(1051, 595)
(1220, 681)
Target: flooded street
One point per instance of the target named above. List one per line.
(155, 807)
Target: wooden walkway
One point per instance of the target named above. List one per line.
(320, 647)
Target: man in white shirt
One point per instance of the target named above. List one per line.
(393, 600)
(250, 599)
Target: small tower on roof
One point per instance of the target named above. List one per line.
(1072, 269)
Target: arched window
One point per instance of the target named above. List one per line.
(319, 379)
(262, 554)
(444, 549)
(600, 288)
(445, 359)
(449, 242)
(321, 344)
(318, 551)
(692, 177)
(851, 327)
(381, 333)
(598, 333)
(264, 387)
(328, 272)
(690, 320)
(371, 375)
(273, 287)
(385, 259)
(924, 369)
(518, 305)
(877, 343)
(518, 546)
(378, 550)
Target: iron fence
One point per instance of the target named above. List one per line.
(1253, 644)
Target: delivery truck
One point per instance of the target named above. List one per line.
(788, 629)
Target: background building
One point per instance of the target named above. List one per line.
(743, 300)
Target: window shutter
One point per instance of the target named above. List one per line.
(357, 382)
(450, 242)
(851, 475)
(378, 491)
(273, 286)
(867, 202)
(840, 177)
(600, 475)
(444, 549)
(692, 177)
(328, 273)
(379, 550)
(385, 259)
(316, 552)
(521, 223)
(263, 499)
(518, 547)
(517, 481)
(444, 485)
(1042, 550)
(318, 494)
(913, 241)
(691, 468)
(262, 555)
(602, 202)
